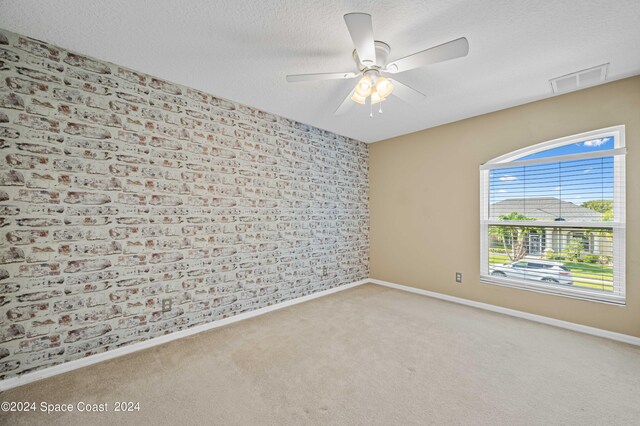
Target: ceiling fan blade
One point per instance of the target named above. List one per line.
(406, 93)
(361, 31)
(346, 104)
(450, 50)
(295, 78)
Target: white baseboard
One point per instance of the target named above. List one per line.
(632, 340)
(93, 359)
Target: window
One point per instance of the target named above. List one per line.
(552, 217)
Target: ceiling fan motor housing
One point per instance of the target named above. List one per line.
(382, 56)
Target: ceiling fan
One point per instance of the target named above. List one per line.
(371, 58)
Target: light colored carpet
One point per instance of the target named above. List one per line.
(369, 355)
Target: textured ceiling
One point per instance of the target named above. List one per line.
(242, 50)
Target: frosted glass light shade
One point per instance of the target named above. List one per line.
(384, 87)
(363, 88)
(359, 99)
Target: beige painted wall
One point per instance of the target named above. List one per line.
(424, 200)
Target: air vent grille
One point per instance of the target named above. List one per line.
(579, 79)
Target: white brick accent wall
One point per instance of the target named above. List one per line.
(119, 190)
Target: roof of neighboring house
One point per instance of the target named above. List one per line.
(547, 208)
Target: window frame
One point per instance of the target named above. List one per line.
(618, 226)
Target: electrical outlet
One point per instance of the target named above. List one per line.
(166, 305)
(458, 277)
(324, 271)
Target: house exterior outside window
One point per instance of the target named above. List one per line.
(552, 217)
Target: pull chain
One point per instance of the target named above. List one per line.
(370, 109)
(380, 110)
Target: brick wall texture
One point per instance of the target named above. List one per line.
(119, 190)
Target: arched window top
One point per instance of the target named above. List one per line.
(589, 143)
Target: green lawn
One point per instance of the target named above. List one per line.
(601, 273)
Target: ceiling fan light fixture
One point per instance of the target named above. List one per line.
(384, 87)
(376, 98)
(358, 99)
(363, 88)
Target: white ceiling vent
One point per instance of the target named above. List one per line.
(579, 79)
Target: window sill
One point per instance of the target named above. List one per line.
(557, 290)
